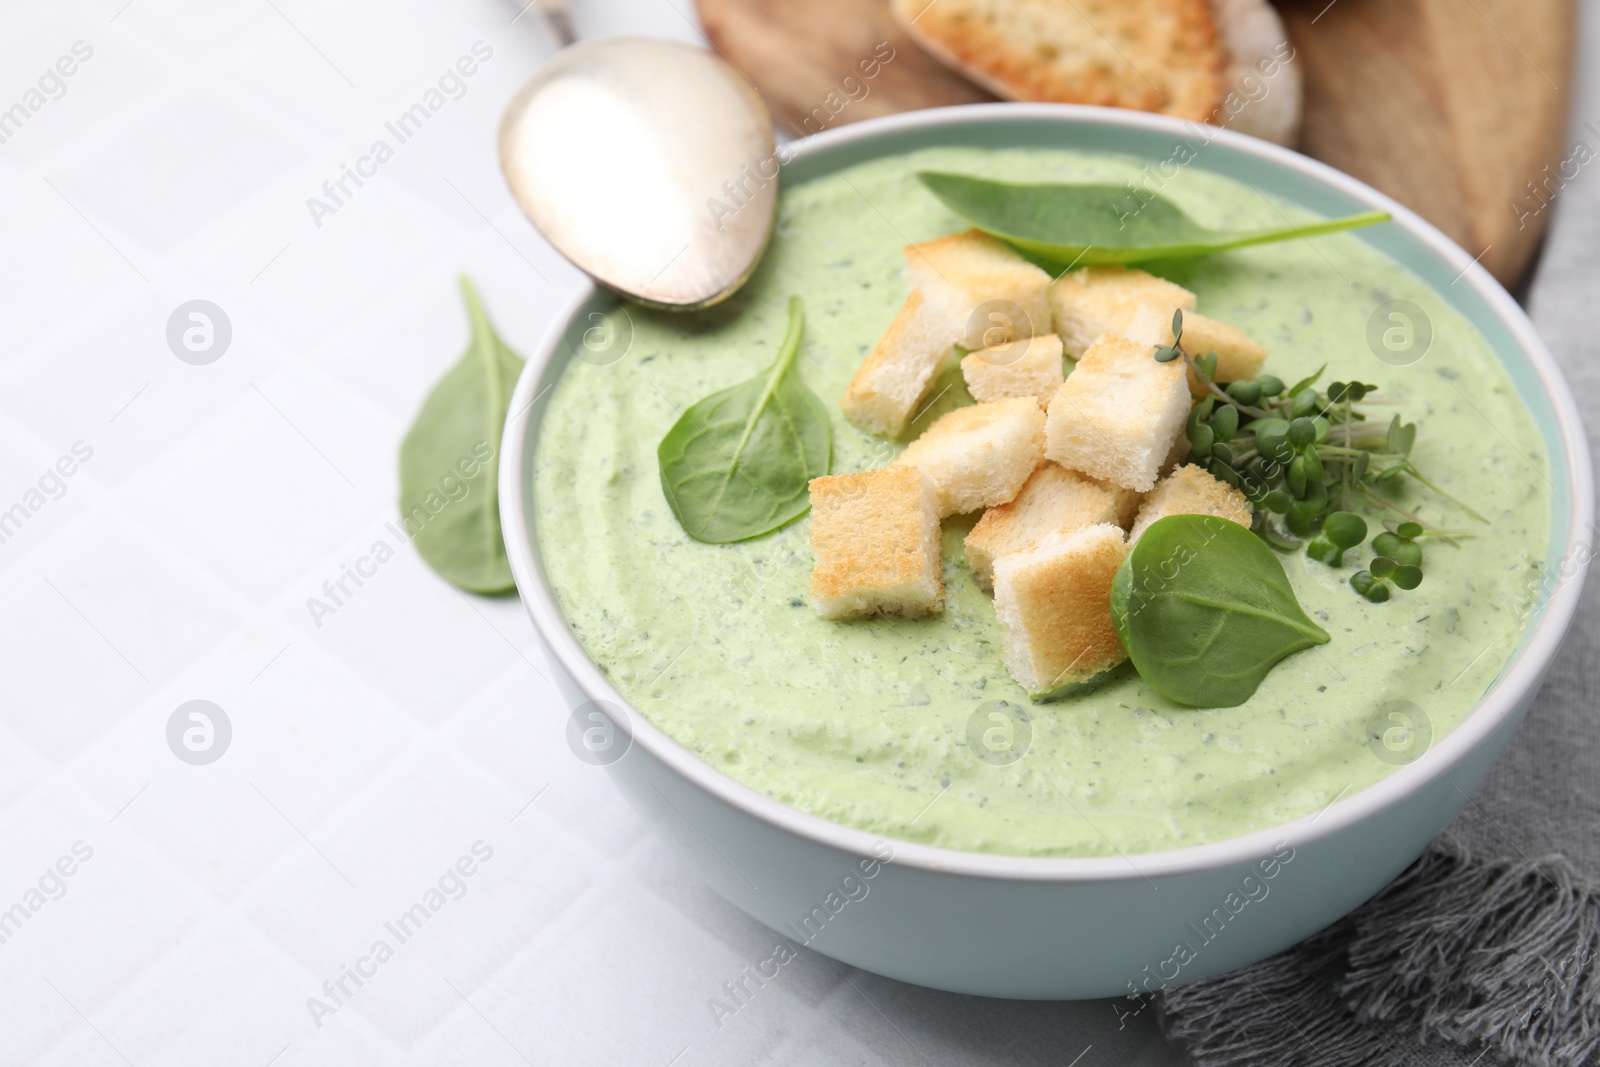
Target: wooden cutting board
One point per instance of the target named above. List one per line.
(1453, 107)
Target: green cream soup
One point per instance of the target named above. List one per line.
(879, 724)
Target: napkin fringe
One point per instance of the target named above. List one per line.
(1497, 954)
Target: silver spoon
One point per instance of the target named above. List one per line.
(650, 164)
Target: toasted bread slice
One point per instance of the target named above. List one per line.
(1054, 604)
(1054, 500)
(1191, 491)
(1166, 56)
(1263, 80)
(1118, 413)
(875, 539)
(890, 382)
(979, 456)
(1238, 357)
(982, 290)
(1086, 304)
(1029, 367)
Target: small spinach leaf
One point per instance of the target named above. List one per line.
(739, 463)
(1080, 224)
(449, 462)
(1205, 610)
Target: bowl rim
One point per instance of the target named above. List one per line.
(1521, 676)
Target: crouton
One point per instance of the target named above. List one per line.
(979, 456)
(1191, 491)
(1054, 605)
(1175, 457)
(1166, 56)
(875, 539)
(1088, 303)
(982, 290)
(1238, 357)
(1117, 414)
(890, 382)
(1128, 501)
(1029, 367)
(1054, 500)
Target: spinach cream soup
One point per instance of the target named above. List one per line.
(878, 723)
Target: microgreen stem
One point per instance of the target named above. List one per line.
(1340, 452)
(1412, 470)
(1221, 394)
(1398, 510)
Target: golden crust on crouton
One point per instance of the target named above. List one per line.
(1054, 500)
(1192, 491)
(1088, 303)
(965, 273)
(887, 386)
(1054, 605)
(980, 455)
(875, 539)
(1118, 413)
(1238, 357)
(1030, 367)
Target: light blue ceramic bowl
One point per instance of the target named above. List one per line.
(1073, 928)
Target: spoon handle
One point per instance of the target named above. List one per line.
(558, 16)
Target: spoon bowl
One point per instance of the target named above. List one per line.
(650, 164)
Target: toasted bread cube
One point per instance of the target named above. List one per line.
(1030, 367)
(982, 290)
(979, 456)
(1175, 457)
(1238, 357)
(875, 539)
(1118, 413)
(1151, 325)
(1128, 501)
(1054, 604)
(1089, 303)
(890, 382)
(1192, 491)
(1054, 500)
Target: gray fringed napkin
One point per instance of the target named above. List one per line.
(1481, 959)
(1478, 953)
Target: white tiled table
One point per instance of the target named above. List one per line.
(376, 746)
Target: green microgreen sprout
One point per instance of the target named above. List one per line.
(1370, 587)
(1341, 531)
(1168, 353)
(1303, 455)
(1400, 544)
(1398, 561)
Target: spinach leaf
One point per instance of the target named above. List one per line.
(739, 463)
(449, 462)
(1205, 610)
(1079, 224)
